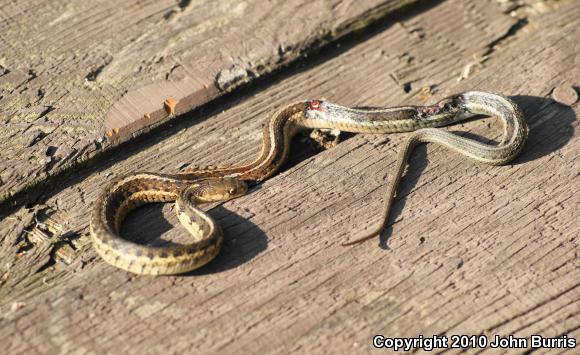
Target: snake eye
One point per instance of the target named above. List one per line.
(231, 190)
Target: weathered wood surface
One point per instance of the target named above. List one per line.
(473, 249)
(77, 78)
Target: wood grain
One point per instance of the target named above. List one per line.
(473, 249)
(77, 78)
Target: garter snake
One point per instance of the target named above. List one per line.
(207, 185)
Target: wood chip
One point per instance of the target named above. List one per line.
(169, 105)
(565, 94)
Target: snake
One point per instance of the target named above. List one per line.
(191, 188)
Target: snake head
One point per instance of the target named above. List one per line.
(447, 107)
(215, 190)
(229, 188)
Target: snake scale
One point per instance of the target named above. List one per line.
(188, 189)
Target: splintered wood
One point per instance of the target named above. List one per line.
(83, 78)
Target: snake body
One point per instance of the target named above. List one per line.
(208, 185)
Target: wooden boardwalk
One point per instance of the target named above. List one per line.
(472, 249)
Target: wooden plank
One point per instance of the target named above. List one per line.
(473, 249)
(79, 77)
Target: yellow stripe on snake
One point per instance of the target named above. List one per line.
(191, 188)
